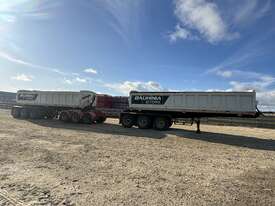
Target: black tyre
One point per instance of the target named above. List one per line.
(76, 117)
(127, 121)
(35, 114)
(161, 123)
(101, 120)
(170, 123)
(144, 122)
(86, 119)
(24, 113)
(50, 115)
(15, 112)
(64, 117)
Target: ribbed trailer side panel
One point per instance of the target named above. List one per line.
(216, 102)
(54, 99)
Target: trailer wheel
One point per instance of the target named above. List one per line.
(76, 117)
(50, 114)
(170, 123)
(64, 117)
(35, 114)
(15, 112)
(87, 119)
(161, 123)
(101, 120)
(24, 113)
(127, 121)
(144, 122)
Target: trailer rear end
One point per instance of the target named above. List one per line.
(112, 106)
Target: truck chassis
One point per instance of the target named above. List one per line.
(163, 120)
(73, 115)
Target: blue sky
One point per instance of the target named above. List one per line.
(114, 46)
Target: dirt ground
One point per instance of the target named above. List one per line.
(52, 163)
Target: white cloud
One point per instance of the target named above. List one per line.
(247, 6)
(250, 10)
(203, 17)
(19, 61)
(245, 80)
(91, 70)
(266, 98)
(260, 84)
(68, 81)
(181, 33)
(215, 20)
(37, 15)
(8, 5)
(244, 56)
(23, 77)
(246, 86)
(77, 79)
(224, 73)
(13, 11)
(81, 80)
(7, 18)
(126, 15)
(69, 77)
(240, 74)
(127, 86)
(263, 84)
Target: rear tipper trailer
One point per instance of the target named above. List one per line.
(160, 110)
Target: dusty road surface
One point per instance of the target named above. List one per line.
(51, 163)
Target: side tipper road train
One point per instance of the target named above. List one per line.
(158, 110)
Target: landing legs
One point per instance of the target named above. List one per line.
(198, 122)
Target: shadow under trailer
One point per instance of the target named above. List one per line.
(158, 110)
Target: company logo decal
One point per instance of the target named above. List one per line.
(27, 97)
(152, 99)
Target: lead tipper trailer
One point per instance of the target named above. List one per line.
(67, 106)
(160, 110)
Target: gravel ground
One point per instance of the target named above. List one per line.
(51, 163)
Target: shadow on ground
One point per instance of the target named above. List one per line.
(227, 139)
(107, 128)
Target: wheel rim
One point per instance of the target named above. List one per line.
(143, 122)
(86, 119)
(75, 118)
(127, 121)
(160, 123)
(64, 117)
